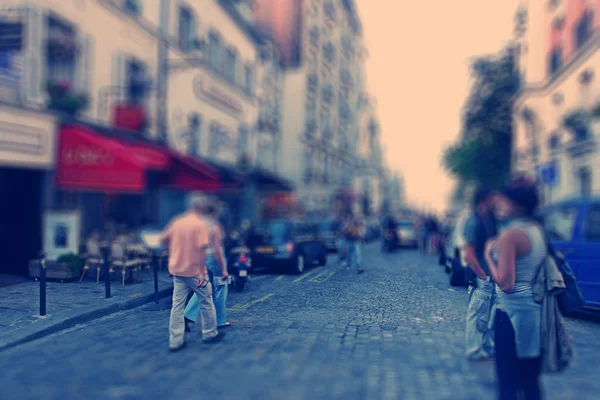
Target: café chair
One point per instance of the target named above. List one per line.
(93, 258)
(119, 258)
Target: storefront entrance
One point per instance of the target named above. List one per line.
(20, 219)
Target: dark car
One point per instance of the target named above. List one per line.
(287, 245)
(329, 233)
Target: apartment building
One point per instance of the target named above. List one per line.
(321, 47)
(557, 115)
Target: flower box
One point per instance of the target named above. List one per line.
(54, 270)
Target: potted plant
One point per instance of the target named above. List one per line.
(577, 121)
(63, 99)
(66, 266)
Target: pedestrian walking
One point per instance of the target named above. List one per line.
(479, 228)
(187, 238)
(354, 231)
(216, 265)
(514, 261)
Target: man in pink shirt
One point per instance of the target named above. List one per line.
(187, 240)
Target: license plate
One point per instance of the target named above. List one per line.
(265, 250)
(243, 273)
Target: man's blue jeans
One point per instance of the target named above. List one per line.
(354, 254)
(220, 293)
(341, 249)
(480, 317)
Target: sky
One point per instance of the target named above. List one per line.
(418, 70)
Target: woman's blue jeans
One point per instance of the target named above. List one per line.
(220, 292)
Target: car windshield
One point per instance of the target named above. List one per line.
(277, 231)
(328, 226)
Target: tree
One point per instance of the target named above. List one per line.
(482, 154)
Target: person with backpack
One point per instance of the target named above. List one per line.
(514, 260)
(479, 228)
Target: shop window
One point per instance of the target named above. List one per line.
(592, 224)
(560, 223)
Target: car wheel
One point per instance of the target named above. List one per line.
(298, 265)
(457, 273)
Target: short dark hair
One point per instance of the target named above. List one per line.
(523, 192)
(480, 196)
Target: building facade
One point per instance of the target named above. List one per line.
(109, 106)
(557, 114)
(321, 45)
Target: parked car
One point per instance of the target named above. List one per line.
(329, 232)
(407, 234)
(287, 245)
(455, 251)
(573, 228)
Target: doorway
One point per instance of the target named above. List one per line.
(20, 219)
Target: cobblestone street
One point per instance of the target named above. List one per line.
(395, 332)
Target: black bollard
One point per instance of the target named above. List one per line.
(106, 268)
(43, 286)
(155, 261)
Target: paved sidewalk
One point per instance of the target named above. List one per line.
(67, 304)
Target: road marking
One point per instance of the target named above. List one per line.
(244, 307)
(306, 275)
(323, 276)
(280, 277)
(258, 278)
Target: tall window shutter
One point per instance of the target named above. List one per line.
(33, 82)
(118, 92)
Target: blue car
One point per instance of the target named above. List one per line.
(573, 227)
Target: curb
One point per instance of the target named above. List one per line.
(70, 322)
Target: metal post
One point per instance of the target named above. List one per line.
(43, 286)
(106, 268)
(162, 71)
(155, 261)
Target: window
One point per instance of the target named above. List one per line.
(231, 65)
(243, 139)
(215, 50)
(307, 165)
(555, 61)
(195, 126)
(136, 83)
(61, 52)
(249, 75)
(186, 29)
(584, 29)
(560, 223)
(133, 6)
(584, 176)
(215, 139)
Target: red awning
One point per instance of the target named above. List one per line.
(154, 158)
(188, 173)
(89, 161)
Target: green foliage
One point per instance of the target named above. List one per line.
(482, 155)
(596, 111)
